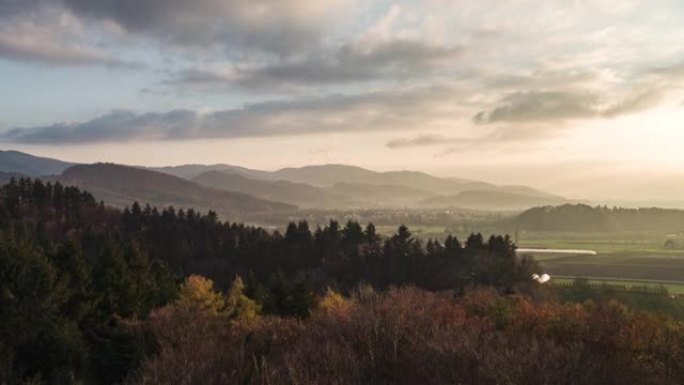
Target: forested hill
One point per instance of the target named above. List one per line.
(600, 218)
(76, 276)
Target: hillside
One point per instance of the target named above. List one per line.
(120, 185)
(15, 162)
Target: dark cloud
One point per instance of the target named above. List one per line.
(13, 7)
(266, 25)
(673, 71)
(557, 106)
(391, 60)
(227, 28)
(118, 125)
(499, 135)
(634, 103)
(540, 106)
(335, 113)
(542, 80)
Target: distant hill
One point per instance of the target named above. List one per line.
(284, 191)
(529, 191)
(121, 185)
(500, 200)
(341, 186)
(324, 175)
(191, 171)
(339, 195)
(25, 164)
(581, 217)
(328, 186)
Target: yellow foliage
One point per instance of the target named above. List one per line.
(198, 292)
(333, 303)
(238, 305)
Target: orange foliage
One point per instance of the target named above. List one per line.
(408, 336)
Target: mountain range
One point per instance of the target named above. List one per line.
(234, 191)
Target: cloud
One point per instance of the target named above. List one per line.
(51, 36)
(218, 29)
(13, 7)
(634, 103)
(540, 106)
(33, 48)
(384, 61)
(424, 140)
(469, 63)
(493, 139)
(673, 72)
(395, 110)
(118, 125)
(271, 26)
(560, 106)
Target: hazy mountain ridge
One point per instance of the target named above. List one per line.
(283, 191)
(15, 162)
(120, 185)
(326, 186)
(191, 171)
(339, 195)
(349, 186)
(501, 200)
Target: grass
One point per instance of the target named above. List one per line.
(671, 287)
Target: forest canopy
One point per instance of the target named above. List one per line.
(77, 277)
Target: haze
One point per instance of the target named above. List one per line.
(580, 98)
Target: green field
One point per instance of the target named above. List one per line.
(621, 257)
(671, 287)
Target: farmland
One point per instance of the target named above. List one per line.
(672, 287)
(620, 256)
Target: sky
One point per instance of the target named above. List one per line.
(583, 98)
